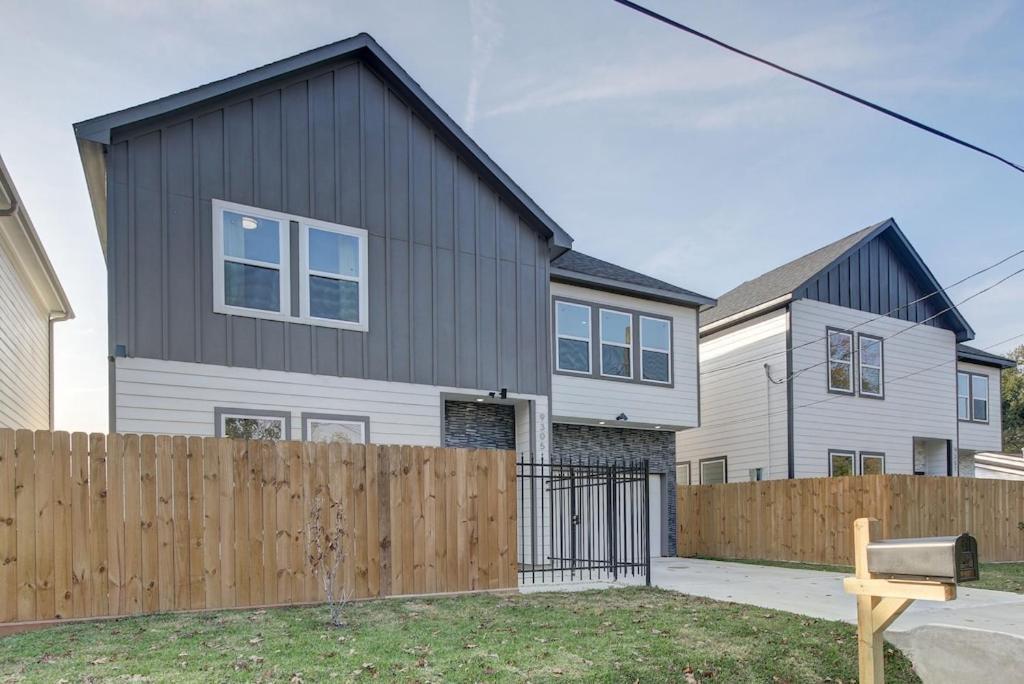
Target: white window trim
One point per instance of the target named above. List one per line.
(845, 454)
(725, 468)
(305, 272)
(589, 340)
(283, 268)
(629, 347)
(667, 352)
(253, 416)
(967, 396)
(861, 366)
(870, 454)
(829, 332)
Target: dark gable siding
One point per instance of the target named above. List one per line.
(458, 279)
(875, 279)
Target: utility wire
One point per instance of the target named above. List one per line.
(842, 93)
(762, 416)
(943, 290)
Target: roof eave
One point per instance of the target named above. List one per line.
(745, 315)
(639, 291)
(98, 129)
(985, 360)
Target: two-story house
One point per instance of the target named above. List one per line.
(31, 301)
(845, 361)
(315, 250)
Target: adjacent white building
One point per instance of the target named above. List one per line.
(31, 301)
(846, 361)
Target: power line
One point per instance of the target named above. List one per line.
(842, 93)
(943, 290)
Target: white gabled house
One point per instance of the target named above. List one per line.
(846, 361)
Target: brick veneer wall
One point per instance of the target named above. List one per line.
(474, 425)
(611, 444)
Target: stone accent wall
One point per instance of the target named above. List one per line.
(611, 444)
(475, 425)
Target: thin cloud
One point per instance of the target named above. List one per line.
(487, 36)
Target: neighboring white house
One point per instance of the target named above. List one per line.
(31, 301)
(991, 466)
(842, 362)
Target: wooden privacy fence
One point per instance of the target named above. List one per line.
(96, 525)
(811, 520)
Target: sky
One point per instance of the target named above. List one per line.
(654, 150)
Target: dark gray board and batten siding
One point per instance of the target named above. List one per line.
(875, 278)
(458, 279)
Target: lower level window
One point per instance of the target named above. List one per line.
(840, 463)
(342, 429)
(871, 463)
(246, 425)
(713, 471)
(683, 474)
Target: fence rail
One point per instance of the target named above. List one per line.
(811, 520)
(97, 525)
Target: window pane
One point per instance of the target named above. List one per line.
(872, 465)
(979, 387)
(839, 375)
(870, 351)
(573, 355)
(683, 474)
(616, 327)
(980, 409)
(871, 380)
(251, 237)
(712, 472)
(573, 320)
(253, 428)
(655, 366)
(615, 361)
(654, 334)
(344, 432)
(839, 346)
(253, 287)
(337, 300)
(963, 408)
(842, 464)
(963, 384)
(333, 253)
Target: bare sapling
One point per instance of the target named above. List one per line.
(326, 550)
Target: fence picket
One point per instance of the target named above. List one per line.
(45, 609)
(165, 523)
(8, 530)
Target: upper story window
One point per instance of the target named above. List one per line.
(253, 273)
(870, 351)
(573, 338)
(616, 344)
(972, 397)
(655, 349)
(840, 361)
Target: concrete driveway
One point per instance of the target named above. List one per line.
(982, 632)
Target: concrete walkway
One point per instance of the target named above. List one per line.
(982, 632)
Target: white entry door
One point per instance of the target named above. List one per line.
(655, 515)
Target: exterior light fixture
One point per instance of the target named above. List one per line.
(600, 422)
(657, 427)
(480, 399)
(249, 223)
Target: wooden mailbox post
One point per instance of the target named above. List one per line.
(880, 601)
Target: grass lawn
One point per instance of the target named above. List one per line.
(621, 635)
(995, 576)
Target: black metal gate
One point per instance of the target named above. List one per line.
(583, 520)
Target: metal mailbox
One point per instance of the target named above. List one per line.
(942, 559)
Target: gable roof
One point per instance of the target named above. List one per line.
(783, 282)
(578, 268)
(93, 134)
(19, 235)
(980, 356)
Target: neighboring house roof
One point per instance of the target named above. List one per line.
(980, 356)
(93, 134)
(19, 236)
(1011, 466)
(578, 268)
(784, 282)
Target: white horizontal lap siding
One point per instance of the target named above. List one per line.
(921, 405)
(24, 352)
(171, 397)
(592, 399)
(743, 415)
(984, 436)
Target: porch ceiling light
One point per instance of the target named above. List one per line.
(600, 422)
(480, 399)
